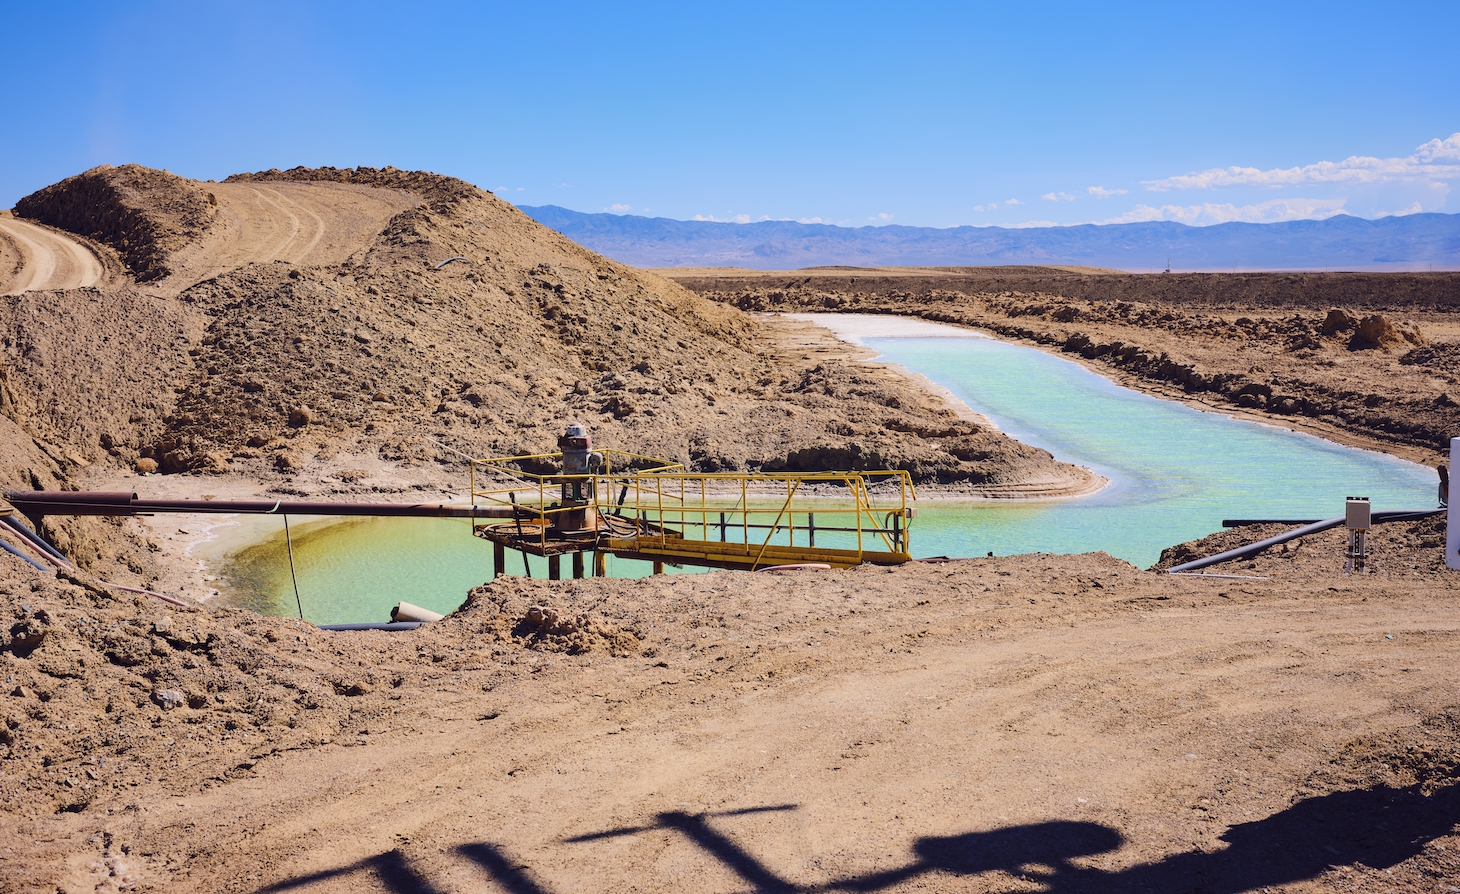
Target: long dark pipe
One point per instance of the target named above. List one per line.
(49, 502)
(1253, 549)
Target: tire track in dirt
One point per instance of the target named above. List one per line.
(316, 228)
(34, 258)
(299, 223)
(282, 213)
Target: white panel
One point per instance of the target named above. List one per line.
(1452, 518)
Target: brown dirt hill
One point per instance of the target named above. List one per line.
(494, 352)
(1361, 358)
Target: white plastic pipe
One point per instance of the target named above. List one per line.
(1452, 518)
(404, 611)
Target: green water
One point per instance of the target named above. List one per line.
(1176, 472)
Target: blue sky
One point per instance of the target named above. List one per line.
(928, 114)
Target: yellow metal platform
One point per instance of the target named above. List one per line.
(640, 508)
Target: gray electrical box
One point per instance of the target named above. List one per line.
(1356, 514)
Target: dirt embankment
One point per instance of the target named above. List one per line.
(368, 346)
(1363, 358)
(1019, 723)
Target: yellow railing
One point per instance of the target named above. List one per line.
(647, 508)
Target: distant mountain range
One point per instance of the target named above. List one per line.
(1415, 242)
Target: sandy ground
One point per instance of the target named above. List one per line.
(1031, 723)
(1028, 723)
(297, 223)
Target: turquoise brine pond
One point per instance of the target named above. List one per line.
(1176, 472)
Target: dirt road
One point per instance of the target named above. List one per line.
(299, 223)
(34, 258)
(1028, 723)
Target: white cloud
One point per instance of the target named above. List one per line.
(1445, 151)
(1101, 192)
(739, 218)
(1013, 202)
(619, 209)
(811, 220)
(563, 185)
(1435, 160)
(883, 215)
(1031, 223)
(1210, 213)
(1058, 197)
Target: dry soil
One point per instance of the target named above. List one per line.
(1024, 723)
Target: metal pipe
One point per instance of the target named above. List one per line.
(1253, 549)
(36, 503)
(45, 556)
(163, 596)
(1390, 515)
(395, 625)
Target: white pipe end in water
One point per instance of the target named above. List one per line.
(404, 611)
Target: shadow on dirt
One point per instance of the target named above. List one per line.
(1377, 827)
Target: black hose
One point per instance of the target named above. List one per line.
(34, 538)
(15, 552)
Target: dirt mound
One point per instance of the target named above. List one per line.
(144, 214)
(1374, 331)
(504, 610)
(470, 324)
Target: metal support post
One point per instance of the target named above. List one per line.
(1357, 519)
(1452, 515)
